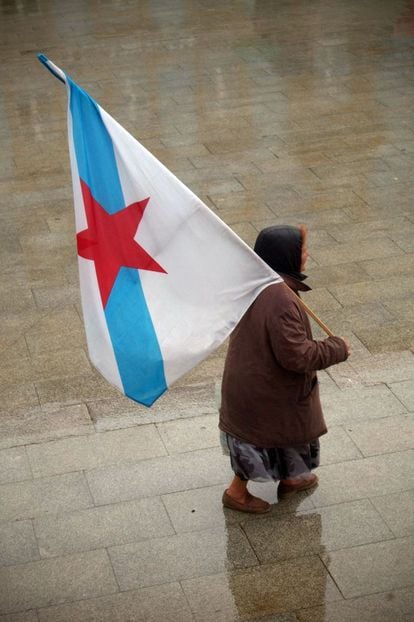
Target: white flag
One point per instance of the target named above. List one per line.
(163, 280)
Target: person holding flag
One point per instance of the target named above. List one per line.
(164, 282)
(270, 414)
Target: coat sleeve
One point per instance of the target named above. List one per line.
(295, 351)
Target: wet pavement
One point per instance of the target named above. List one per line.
(272, 112)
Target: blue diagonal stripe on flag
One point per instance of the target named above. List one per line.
(135, 343)
(131, 330)
(94, 151)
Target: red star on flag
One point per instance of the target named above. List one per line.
(109, 241)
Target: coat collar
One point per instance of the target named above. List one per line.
(295, 284)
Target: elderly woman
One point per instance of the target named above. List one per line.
(270, 414)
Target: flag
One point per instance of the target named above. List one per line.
(163, 280)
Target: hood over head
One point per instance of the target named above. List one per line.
(280, 247)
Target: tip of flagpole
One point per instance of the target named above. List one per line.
(58, 73)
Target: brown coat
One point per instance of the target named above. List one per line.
(270, 393)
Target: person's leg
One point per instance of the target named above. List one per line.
(238, 489)
(237, 497)
(303, 482)
(298, 476)
(247, 463)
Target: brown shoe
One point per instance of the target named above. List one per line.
(290, 487)
(253, 505)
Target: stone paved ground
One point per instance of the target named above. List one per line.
(272, 112)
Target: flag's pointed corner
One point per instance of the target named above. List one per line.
(54, 69)
(146, 399)
(142, 395)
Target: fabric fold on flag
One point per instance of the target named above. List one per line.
(163, 280)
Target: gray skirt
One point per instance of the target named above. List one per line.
(260, 464)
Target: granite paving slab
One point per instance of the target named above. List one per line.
(14, 325)
(394, 336)
(405, 242)
(344, 376)
(158, 476)
(18, 543)
(180, 402)
(14, 465)
(64, 363)
(401, 309)
(397, 510)
(95, 450)
(376, 475)
(18, 396)
(55, 297)
(190, 434)
(404, 392)
(234, 201)
(34, 424)
(320, 300)
(386, 367)
(195, 510)
(52, 581)
(322, 218)
(326, 384)
(101, 527)
(74, 389)
(372, 229)
(58, 329)
(315, 531)
(337, 446)
(24, 616)
(240, 214)
(394, 266)
(16, 350)
(374, 291)
(163, 602)
(41, 241)
(16, 300)
(352, 569)
(278, 617)
(180, 557)
(228, 615)
(353, 405)
(354, 318)
(380, 436)
(389, 606)
(270, 589)
(50, 494)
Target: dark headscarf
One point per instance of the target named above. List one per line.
(281, 248)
